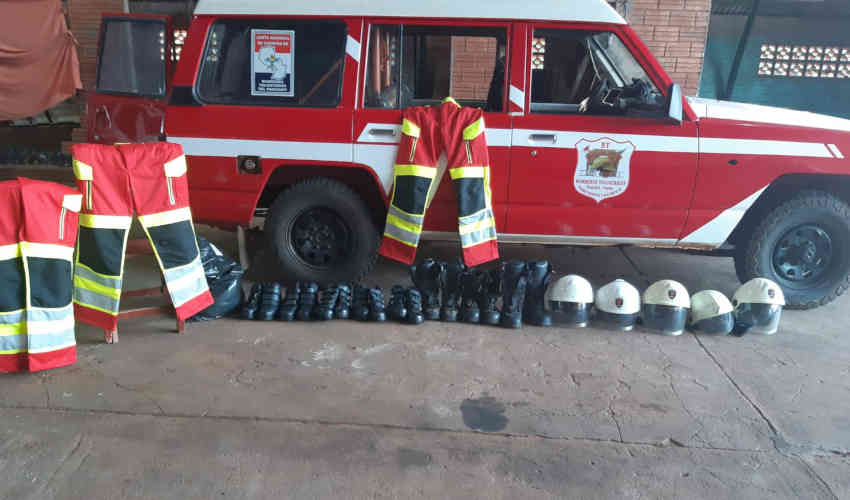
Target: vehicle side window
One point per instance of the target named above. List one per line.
(590, 72)
(421, 65)
(132, 58)
(273, 63)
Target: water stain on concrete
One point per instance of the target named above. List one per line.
(485, 414)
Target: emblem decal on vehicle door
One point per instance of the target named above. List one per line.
(603, 168)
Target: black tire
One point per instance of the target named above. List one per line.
(757, 256)
(329, 204)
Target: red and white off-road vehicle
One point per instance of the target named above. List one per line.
(291, 111)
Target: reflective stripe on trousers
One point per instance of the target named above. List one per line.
(37, 330)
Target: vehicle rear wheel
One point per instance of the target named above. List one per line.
(804, 246)
(320, 230)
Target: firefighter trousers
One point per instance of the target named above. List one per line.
(118, 181)
(426, 132)
(38, 227)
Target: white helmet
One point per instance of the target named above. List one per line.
(665, 307)
(758, 307)
(570, 299)
(618, 304)
(711, 312)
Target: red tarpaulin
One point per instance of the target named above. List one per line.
(38, 58)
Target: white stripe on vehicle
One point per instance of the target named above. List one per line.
(557, 239)
(715, 232)
(835, 151)
(390, 133)
(763, 148)
(352, 48)
(517, 97)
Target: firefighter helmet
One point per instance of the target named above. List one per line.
(618, 304)
(570, 299)
(711, 312)
(758, 307)
(665, 307)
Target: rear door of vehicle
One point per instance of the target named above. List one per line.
(134, 69)
(418, 63)
(596, 176)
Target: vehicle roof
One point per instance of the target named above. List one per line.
(543, 10)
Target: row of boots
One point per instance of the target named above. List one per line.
(305, 301)
(449, 291)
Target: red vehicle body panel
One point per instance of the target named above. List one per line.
(688, 183)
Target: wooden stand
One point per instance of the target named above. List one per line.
(142, 247)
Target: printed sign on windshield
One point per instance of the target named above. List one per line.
(272, 64)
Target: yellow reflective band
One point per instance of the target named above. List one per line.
(13, 329)
(468, 172)
(96, 287)
(106, 221)
(474, 130)
(10, 251)
(386, 235)
(47, 251)
(416, 170)
(451, 100)
(73, 202)
(176, 167)
(164, 218)
(403, 224)
(409, 128)
(82, 171)
(471, 228)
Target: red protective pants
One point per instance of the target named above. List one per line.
(426, 132)
(116, 181)
(38, 228)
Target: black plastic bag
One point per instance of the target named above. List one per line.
(224, 277)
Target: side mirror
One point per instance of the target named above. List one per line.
(674, 103)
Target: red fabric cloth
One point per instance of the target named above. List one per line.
(39, 67)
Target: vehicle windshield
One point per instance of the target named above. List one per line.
(617, 61)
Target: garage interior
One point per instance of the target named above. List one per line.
(238, 409)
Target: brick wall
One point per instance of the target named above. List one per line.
(84, 19)
(675, 31)
(473, 61)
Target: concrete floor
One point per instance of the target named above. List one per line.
(236, 409)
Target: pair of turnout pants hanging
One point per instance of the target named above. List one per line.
(116, 181)
(426, 132)
(38, 228)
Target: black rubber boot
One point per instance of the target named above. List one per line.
(491, 290)
(269, 302)
(290, 303)
(413, 303)
(426, 277)
(514, 280)
(360, 307)
(450, 285)
(396, 309)
(470, 284)
(307, 301)
(534, 310)
(376, 305)
(252, 305)
(324, 309)
(342, 309)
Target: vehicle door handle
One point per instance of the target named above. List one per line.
(543, 138)
(382, 132)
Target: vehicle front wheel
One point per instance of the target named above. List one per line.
(321, 231)
(804, 246)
